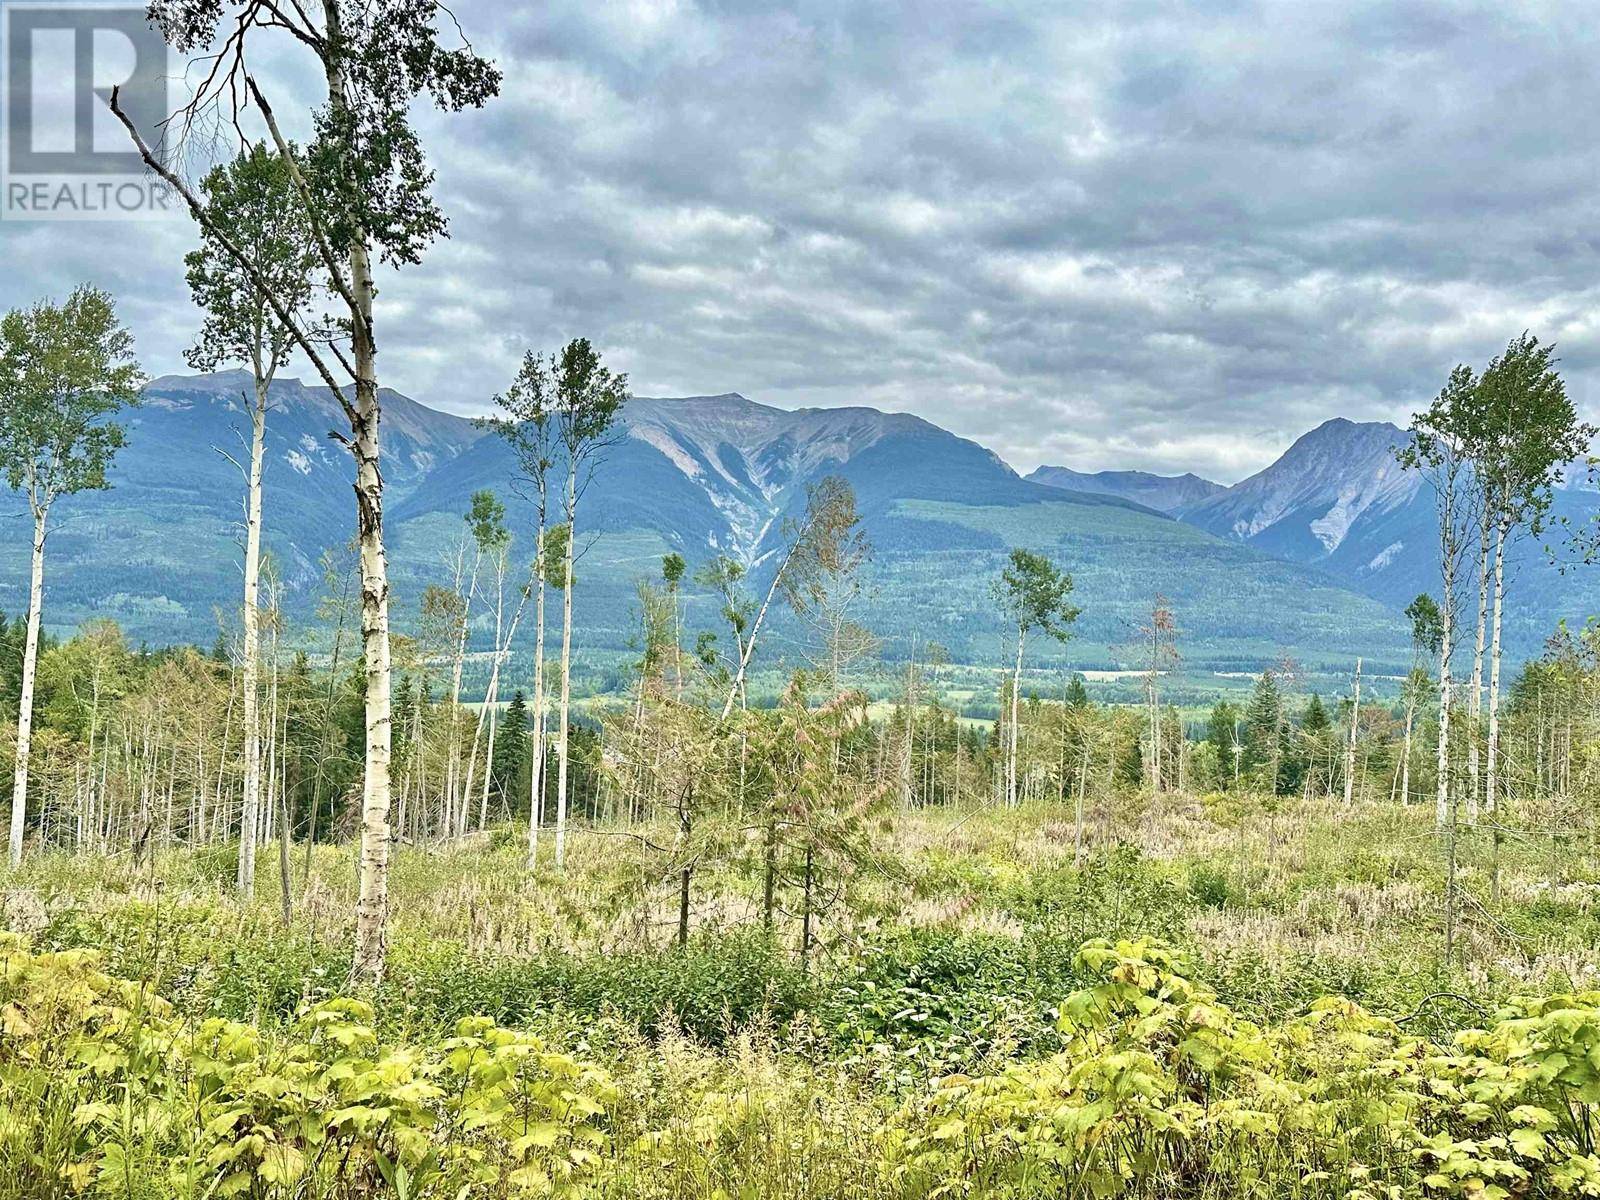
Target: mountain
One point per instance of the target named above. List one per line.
(160, 551)
(1337, 497)
(701, 476)
(721, 474)
(1338, 500)
(1164, 493)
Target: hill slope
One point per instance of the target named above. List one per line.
(702, 476)
(1164, 493)
(709, 475)
(160, 552)
(1338, 500)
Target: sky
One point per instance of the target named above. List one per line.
(1169, 236)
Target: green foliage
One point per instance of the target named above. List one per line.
(256, 204)
(1525, 432)
(1209, 886)
(64, 369)
(486, 518)
(1162, 1090)
(108, 1087)
(1427, 623)
(1033, 594)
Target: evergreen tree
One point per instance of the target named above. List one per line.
(512, 752)
(1314, 721)
(1077, 695)
(1263, 741)
(1222, 729)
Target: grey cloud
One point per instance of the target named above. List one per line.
(1152, 234)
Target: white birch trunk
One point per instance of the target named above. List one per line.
(30, 665)
(1492, 768)
(1350, 750)
(536, 771)
(1441, 811)
(252, 646)
(1011, 742)
(1405, 761)
(1475, 701)
(372, 906)
(566, 671)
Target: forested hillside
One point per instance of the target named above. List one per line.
(1339, 500)
(700, 477)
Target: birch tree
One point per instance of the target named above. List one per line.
(822, 548)
(1350, 741)
(527, 426)
(1531, 433)
(1440, 448)
(254, 196)
(64, 370)
(589, 398)
(1033, 595)
(365, 187)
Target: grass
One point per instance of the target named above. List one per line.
(959, 957)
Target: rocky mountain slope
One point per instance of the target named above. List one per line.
(1338, 500)
(700, 476)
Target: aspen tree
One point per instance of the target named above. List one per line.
(254, 197)
(526, 424)
(365, 188)
(1439, 449)
(589, 399)
(64, 371)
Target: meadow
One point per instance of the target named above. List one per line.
(1225, 995)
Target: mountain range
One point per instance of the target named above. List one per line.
(1164, 493)
(1312, 557)
(1339, 501)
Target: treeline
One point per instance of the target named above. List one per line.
(137, 750)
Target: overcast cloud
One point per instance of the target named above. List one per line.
(1159, 235)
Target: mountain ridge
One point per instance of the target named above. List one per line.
(700, 476)
(1164, 493)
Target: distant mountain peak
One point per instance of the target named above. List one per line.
(1330, 479)
(748, 455)
(1164, 493)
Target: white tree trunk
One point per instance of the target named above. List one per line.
(1441, 812)
(30, 665)
(536, 787)
(1011, 743)
(252, 646)
(747, 651)
(488, 773)
(566, 672)
(1475, 700)
(455, 798)
(1405, 761)
(1350, 750)
(1492, 770)
(491, 697)
(372, 907)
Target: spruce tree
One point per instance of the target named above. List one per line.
(1314, 721)
(1077, 695)
(1264, 731)
(1222, 731)
(512, 753)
